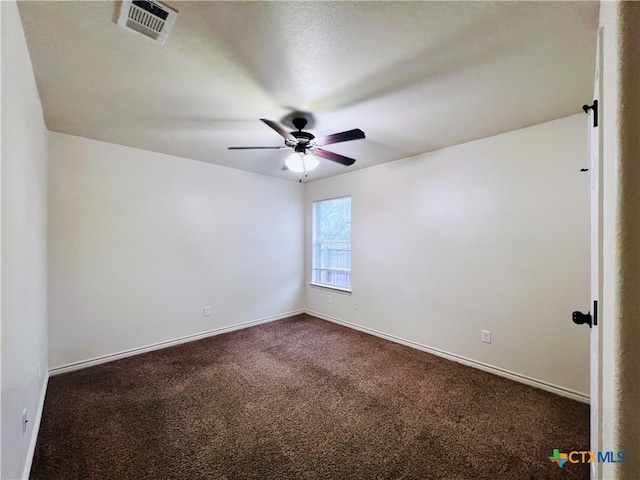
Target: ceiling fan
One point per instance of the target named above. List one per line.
(306, 146)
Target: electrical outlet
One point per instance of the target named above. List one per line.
(207, 311)
(24, 421)
(356, 305)
(329, 299)
(486, 336)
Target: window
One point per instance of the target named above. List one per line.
(332, 243)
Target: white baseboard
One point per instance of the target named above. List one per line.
(533, 382)
(36, 428)
(169, 343)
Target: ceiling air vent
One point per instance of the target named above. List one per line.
(149, 18)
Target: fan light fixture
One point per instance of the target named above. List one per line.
(300, 163)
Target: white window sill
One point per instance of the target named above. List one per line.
(332, 288)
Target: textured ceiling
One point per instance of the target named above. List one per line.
(415, 76)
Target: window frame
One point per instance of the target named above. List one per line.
(314, 242)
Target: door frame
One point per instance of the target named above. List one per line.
(596, 210)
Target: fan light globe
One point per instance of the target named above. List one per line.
(294, 163)
(310, 162)
(298, 163)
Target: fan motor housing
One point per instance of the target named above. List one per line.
(303, 137)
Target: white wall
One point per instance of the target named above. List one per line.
(140, 242)
(620, 322)
(24, 249)
(492, 234)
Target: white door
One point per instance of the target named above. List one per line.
(595, 195)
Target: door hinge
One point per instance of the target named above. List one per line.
(580, 318)
(593, 107)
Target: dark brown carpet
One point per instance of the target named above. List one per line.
(301, 398)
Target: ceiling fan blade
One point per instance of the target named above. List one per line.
(283, 133)
(256, 148)
(354, 134)
(334, 157)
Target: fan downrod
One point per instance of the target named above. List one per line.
(299, 123)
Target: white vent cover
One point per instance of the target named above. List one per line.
(147, 17)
